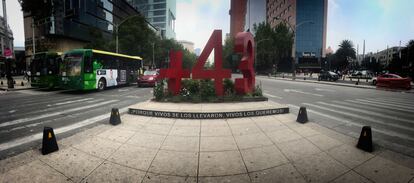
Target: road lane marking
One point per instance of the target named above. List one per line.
(273, 96)
(69, 102)
(393, 102)
(411, 109)
(301, 92)
(18, 121)
(350, 123)
(322, 89)
(362, 117)
(39, 136)
(399, 100)
(410, 122)
(373, 108)
(376, 105)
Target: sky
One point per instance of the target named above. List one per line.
(379, 22)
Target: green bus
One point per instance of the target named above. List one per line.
(44, 69)
(89, 69)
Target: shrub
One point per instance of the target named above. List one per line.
(228, 87)
(257, 92)
(207, 89)
(159, 90)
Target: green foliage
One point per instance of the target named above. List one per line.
(192, 85)
(39, 9)
(158, 90)
(343, 55)
(228, 86)
(273, 45)
(207, 89)
(257, 92)
(230, 58)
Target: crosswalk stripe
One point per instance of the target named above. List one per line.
(373, 108)
(273, 96)
(69, 102)
(37, 101)
(18, 121)
(410, 122)
(350, 123)
(379, 106)
(386, 104)
(393, 103)
(399, 100)
(362, 117)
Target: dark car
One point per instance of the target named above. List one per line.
(328, 76)
(393, 81)
(149, 78)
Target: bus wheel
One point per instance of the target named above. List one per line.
(101, 84)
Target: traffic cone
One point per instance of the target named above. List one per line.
(115, 118)
(49, 143)
(365, 139)
(302, 116)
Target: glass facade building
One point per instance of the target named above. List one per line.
(160, 13)
(72, 23)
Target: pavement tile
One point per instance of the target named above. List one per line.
(282, 174)
(117, 134)
(221, 163)
(19, 160)
(175, 163)
(97, 146)
(398, 158)
(187, 122)
(324, 142)
(218, 143)
(298, 149)
(349, 155)
(147, 140)
(157, 128)
(176, 143)
(242, 178)
(111, 172)
(133, 156)
(252, 140)
(285, 135)
(35, 171)
(270, 126)
(305, 131)
(286, 118)
(379, 169)
(351, 176)
(162, 121)
(157, 178)
(239, 121)
(185, 131)
(72, 163)
(262, 158)
(264, 119)
(245, 129)
(319, 168)
(214, 131)
(213, 123)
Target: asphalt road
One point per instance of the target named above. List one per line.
(347, 109)
(24, 113)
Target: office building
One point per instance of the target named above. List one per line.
(6, 35)
(187, 45)
(386, 56)
(255, 14)
(72, 24)
(160, 13)
(308, 19)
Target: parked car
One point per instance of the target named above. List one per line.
(363, 74)
(149, 78)
(393, 81)
(328, 75)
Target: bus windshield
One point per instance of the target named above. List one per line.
(38, 65)
(72, 64)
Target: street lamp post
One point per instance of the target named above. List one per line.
(293, 54)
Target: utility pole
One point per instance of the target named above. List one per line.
(363, 52)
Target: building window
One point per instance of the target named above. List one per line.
(158, 19)
(159, 6)
(157, 13)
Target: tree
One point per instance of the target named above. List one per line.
(230, 58)
(273, 46)
(345, 52)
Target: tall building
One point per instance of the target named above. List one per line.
(255, 13)
(386, 56)
(308, 19)
(187, 45)
(160, 13)
(72, 24)
(6, 35)
(237, 14)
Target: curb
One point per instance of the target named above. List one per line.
(336, 84)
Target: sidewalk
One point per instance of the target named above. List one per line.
(17, 86)
(256, 149)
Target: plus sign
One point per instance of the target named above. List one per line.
(175, 72)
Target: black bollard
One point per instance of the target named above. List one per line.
(49, 143)
(1, 83)
(302, 116)
(365, 139)
(115, 118)
(22, 84)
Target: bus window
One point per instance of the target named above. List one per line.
(88, 65)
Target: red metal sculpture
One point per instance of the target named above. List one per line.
(218, 73)
(175, 72)
(244, 44)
